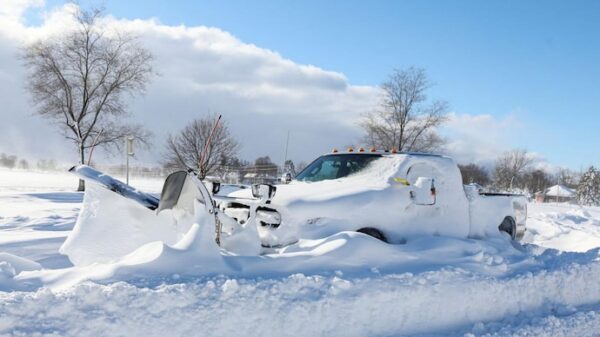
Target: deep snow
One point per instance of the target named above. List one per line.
(429, 286)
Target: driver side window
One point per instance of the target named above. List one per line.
(328, 170)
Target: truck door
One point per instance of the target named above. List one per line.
(447, 211)
(424, 179)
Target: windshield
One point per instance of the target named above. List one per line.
(335, 166)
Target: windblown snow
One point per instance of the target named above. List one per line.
(346, 284)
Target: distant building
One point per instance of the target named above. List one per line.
(259, 178)
(556, 193)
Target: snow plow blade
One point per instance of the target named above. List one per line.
(171, 191)
(89, 174)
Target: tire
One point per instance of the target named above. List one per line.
(509, 227)
(374, 232)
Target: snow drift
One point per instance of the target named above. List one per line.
(450, 300)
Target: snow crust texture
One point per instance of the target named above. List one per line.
(444, 301)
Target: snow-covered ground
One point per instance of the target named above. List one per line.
(354, 286)
(564, 226)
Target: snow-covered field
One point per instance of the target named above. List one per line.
(356, 286)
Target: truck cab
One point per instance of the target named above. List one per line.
(391, 196)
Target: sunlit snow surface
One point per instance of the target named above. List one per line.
(344, 285)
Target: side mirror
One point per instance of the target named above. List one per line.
(216, 187)
(424, 192)
(213, 186)
(263, 191)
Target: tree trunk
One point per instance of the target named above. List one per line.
(81, 186)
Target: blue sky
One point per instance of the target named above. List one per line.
(538, 62)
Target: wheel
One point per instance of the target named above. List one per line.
(508, 226)
(374, 232)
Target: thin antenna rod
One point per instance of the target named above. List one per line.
(287, 143)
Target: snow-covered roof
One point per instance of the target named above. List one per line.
(559, 191)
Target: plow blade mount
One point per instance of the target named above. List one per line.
(89, 174)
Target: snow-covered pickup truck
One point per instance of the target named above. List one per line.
(390, 196)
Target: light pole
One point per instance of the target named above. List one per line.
(128, 153)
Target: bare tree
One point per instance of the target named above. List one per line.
(567, 178)
(184, 150)
(264, 167)
(510, 169)
(79, 80)
(405, 119)
(473, 173)
(536, 180)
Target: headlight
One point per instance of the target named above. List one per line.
(268, 217)
(266, 191)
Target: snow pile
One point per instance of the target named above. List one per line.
(333, 304)
(563, 226)
(10, 266)
(348, 252)
(111, 226)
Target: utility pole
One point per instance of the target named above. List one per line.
(128, 153)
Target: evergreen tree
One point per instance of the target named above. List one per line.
(588, 191)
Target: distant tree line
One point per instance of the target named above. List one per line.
(8, 160)
(514, 171)
(12, 162)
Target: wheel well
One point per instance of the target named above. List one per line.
(509, 226)
(374, 232)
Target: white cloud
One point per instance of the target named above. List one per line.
(260, 93)
(480, 138)
(14, 9)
